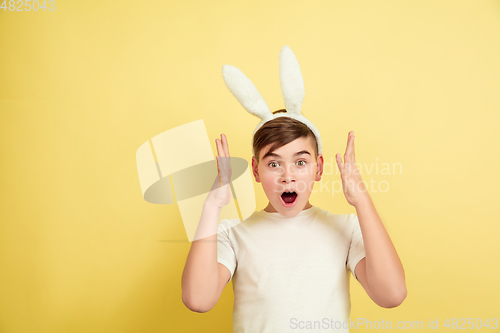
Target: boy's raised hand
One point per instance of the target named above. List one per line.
(220, 194)
(352, 184)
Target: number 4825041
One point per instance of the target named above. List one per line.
(27, 5)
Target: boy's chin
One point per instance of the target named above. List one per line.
(289, 211)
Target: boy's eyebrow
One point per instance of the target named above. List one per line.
(278, 156)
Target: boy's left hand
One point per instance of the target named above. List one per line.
(352, 184)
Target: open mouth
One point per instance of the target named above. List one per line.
(289, 198)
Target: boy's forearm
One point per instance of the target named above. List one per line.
(201, 274)
(384, 270)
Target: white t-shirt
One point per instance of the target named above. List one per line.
(291, 274)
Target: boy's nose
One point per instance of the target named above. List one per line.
(287, 177)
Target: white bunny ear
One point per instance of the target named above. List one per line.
(292, 83)
(245, 92)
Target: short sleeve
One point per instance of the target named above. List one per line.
(225, 250)
(357, 247)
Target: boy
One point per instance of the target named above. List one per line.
(289, 262)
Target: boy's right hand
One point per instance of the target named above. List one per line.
(220, 194)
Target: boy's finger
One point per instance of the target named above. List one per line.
(225, 144)
(223, 149)
(218, 167)
(217, 146)
(349, 151)
(220, 150)
(353, 149)
(352, 145)
(339, 163)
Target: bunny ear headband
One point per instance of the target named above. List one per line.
(292, 87)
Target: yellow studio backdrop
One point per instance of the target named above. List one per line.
(84, 85)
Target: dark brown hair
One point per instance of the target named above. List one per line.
(279, 132)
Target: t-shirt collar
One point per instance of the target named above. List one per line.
(302, 213)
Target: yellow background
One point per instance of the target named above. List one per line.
(81, 88)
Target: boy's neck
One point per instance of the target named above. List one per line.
(270, 208)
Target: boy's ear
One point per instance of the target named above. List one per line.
(319, 167)
(255, 169)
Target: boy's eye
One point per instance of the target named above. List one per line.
(302, 161)
(270, 164)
